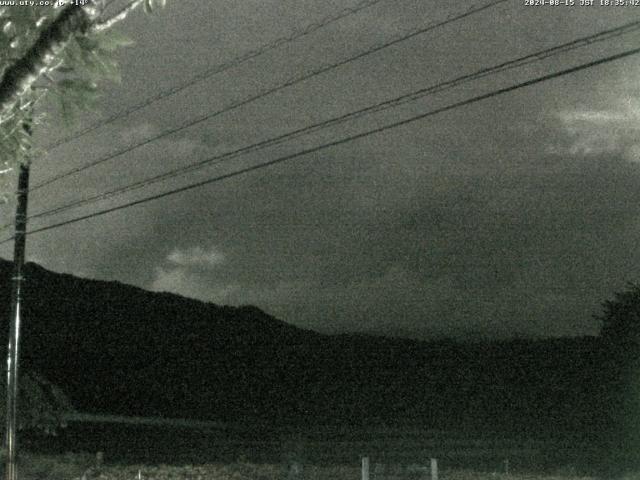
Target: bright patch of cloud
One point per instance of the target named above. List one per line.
(593, 116)
(601, 131)
(196, 257)
(188, 273)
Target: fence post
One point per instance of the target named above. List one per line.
(365, 468)
(434, 469)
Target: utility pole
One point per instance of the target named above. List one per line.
(11, 468)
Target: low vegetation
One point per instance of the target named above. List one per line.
(83, 467)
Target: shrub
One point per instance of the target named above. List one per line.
(42, 406)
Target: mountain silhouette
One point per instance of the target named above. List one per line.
(118, 349)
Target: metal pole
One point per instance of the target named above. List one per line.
(365, 468)
(11, 468)
(434, 469)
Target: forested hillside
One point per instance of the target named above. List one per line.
(119, 349)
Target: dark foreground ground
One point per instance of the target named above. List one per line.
(262, 452)
(479, 451)
(82, 467)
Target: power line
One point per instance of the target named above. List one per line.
(269, 91)
(442, 86)
(344, 140)
(299, 33)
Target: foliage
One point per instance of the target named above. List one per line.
(42, 405)
(61, 467)
(150, 5)
(71, 67)
(619, 377)
(65, 468)
(621, 318)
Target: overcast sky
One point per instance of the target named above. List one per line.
(514, 216)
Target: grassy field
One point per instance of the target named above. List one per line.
(275, 472)
(152, 443)
(150, 451)
(82, 467)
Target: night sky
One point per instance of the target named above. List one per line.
(516, 216)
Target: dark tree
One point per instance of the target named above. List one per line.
(619, 376)
(621, 319)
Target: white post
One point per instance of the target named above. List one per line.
(365, 468)
(434, 469)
